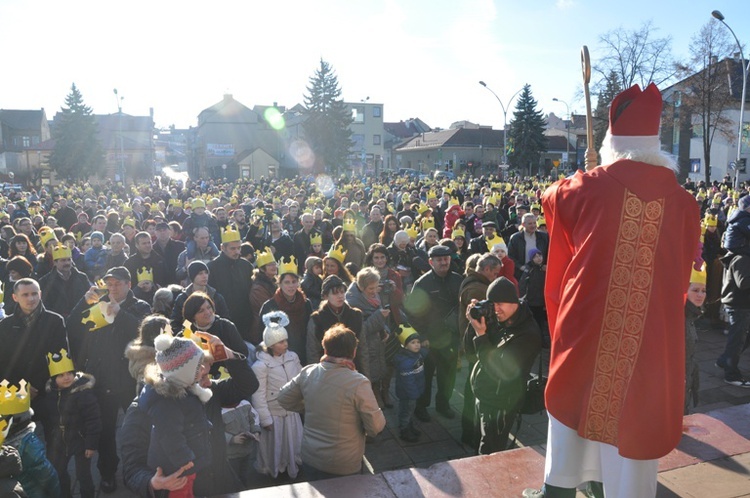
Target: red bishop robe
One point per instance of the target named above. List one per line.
(622, 241)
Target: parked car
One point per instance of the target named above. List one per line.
(444, 175)
(411, 173)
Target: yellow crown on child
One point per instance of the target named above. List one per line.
(128, 222)
(405, 332)
(337, 253)
(288, 265)
(350, 225)
(698, 277)
(175, 203)
(453, 201)
(59, 363)
(262, 258)
(316, 238)
(46, 235)
(412, 232)
(422, 208)
(145, 273)
(230, 234)
(457, 232)
(431, 195)
(711, 220)
(14, 399)
(61, 251)
(198, 203)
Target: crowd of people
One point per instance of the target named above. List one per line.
(257, 327)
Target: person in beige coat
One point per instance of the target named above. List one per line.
(340, 409)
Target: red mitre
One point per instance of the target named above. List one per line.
(636, 113)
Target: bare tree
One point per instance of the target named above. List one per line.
(636, 56)
(707, 90)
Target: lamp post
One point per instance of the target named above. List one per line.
(719, 16)
(567, 129)
(119, 100)
(505, 118)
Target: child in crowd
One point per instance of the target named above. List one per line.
(174, 400)
(696, 296)
(96, 257)
(10, 465)
(242, 434)
(531, 289)
(410, 383)
(146, 288)
(141, 351)
(78, 424)
(316, 246)
(312, 282)
(281, 439)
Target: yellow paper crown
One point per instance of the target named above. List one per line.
(155, 208)
(4, 429)
(14, 399)
(458, 233)
(129, 222)
(93, 318)
(453, 201)
(494, 240)
(187, 333)
(175, 202)
(405, 332)
(58, 363)
(711, 220)
(223, 374)
(262, 258)
(698, 277)
(412, 232)
(288, 265)
(198, 203)
(45, 236)
(431, 195)
(337, 253)
(541, 222)
(127, 208)
(230, 234)
(316, 238)
(145, 274)
(350, 225)
(422, 208)
(61, 251)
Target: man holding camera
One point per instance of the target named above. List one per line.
(507, 342)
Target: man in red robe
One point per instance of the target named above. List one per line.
(622, 240)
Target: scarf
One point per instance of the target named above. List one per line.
(339, 361)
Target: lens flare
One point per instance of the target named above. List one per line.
(325, 185)
(302, 153)
(274, 118)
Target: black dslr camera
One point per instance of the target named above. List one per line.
(481, 309)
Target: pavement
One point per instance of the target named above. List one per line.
(421, 462)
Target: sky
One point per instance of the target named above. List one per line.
(418, 58)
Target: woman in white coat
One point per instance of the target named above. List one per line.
(281, 438)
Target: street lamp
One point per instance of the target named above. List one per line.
(718, 15)
(505, 117)
(567, 128)
(119, 125)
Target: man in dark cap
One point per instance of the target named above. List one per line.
(483, 244)
(433, 311)
(508, 336)
(99, 330)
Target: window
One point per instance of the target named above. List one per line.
(27, 142)
(358, 114)
(376, 140)
(358, 141)
(376, 112)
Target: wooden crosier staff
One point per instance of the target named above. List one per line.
(591, 157)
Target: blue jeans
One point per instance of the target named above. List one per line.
(405, 412)
(739, 323)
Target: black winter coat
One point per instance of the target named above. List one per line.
(432, 308)
(232, 279)
(735, 288)
(76, 412)
(177, 319)
(61, 296)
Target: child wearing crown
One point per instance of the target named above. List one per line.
(75, 433)
(410, 382)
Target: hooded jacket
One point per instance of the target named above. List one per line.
(77, 412)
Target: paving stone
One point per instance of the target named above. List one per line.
(724, 478)
(429, 451)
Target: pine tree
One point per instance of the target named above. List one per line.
(78, 152)
(601, 114)
(327, 125)
(527, 133)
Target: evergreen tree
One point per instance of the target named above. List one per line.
(327, 124)
(527, 133)
(601, 114)
(78, 152)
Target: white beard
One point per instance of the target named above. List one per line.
(656, 157)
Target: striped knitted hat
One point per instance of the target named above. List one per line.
(179, 359)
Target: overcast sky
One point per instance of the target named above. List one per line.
(418, 58)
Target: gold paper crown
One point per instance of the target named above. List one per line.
(128, 222)
(316, 238)
(223, 374)
(58, 363)
(405, 331)
(412, 232)
(422, 208)
(187, 333)
(127, 208)
(4, 429)
(45, 236)
(350, 225)
(494, 240)
(458, 233)
(262, 258)
(155, 208)
(61, 251)
(541, 222)
(711, 220)
(431, 195)
(230, 234)
(175, 202)
(198, 203)
(426, 223)
(698, 277)
(288, 266)
(93, 318)
(145, 273)
(337, 253)
(14, 399)
(453, 201)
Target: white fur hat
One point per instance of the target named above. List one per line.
(275, 332)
